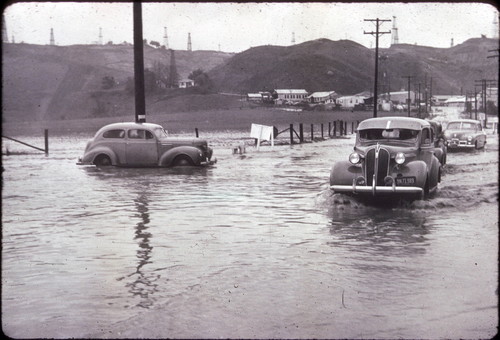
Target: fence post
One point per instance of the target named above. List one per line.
(322, 136)
(291, 134)
(196, 131)
(334, 128)
(345, 128)
(341, 128)
(46, 141)
(312, 133)
(301, 132)
(352, 127)
(329, 129)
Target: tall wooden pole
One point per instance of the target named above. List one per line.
(140, 99)
(377, 33)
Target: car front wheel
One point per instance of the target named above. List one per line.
(182, 160)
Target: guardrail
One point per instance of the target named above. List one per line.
(46, 138)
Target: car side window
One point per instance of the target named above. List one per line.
(136, 134)
(426, 136)
(114, 134)
(149, 135)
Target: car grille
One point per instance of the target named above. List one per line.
(381, 169)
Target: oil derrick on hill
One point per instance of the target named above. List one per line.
(165, 38)
(173, 76)
(52, 41)
(395, 36)
(5, 38)
(189, 47)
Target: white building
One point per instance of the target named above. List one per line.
(323, 97)
(292, 95)
(185, 83)
(351, 101)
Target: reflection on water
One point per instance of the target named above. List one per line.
(400, 233)
(144, 285)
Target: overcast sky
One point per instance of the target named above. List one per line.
(236, 27)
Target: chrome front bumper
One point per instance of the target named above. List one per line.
(375, 190)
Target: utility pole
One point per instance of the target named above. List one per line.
(484, 86)
(377, 33)
(409, 98)
(140, 99)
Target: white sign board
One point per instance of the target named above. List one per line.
(262, 132)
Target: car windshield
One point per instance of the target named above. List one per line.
(388, 134)
(461, 126)
(160, 133)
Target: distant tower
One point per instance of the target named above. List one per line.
(165, 38)
(452, 44)
(190, 48)
(293, 38)
(495, 28)
(5, 37)
(219, 47)
(395, 37)
(52, 42)
(100, 35)
(13, 40)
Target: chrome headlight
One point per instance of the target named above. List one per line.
(354, 158)
(469, 138)
(400, 158)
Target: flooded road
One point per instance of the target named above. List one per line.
(254, 247)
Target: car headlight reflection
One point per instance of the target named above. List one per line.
(400, 158)
(354, 158)
(469, 138)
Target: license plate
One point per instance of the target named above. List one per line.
(406, 180)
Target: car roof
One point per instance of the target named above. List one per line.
(129, 125)
(393, 123)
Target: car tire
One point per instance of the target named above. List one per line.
(182, 160)
(476, 146)
(102, 160)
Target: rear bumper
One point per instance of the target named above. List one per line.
(377, 190)
(455, 143)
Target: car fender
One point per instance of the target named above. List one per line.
(192, 152)
(343, 172)
(91, 156)
(416, 168)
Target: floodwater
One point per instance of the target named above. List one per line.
(255, 247)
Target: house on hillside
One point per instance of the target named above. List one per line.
(185, 83)
(283, 96)
(323, 97)
(351, 101)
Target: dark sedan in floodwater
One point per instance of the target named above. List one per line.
(143, 145)
(393, 157)
(464, 133)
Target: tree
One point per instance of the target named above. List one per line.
(154, 43)
(201, 80)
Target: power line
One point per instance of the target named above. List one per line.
(376, 34)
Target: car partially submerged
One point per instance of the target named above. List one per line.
(144, 145)
(464, 133)
(393, 157)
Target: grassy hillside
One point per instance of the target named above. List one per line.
(348, 68)
(63, 82)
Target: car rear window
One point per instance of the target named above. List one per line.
(114, 134)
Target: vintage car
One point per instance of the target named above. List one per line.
(464, 133)
(143, 145)
(393, 157)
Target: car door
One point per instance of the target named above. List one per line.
(142, 148)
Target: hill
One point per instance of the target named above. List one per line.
(66, 82)
(61, 82)
(348, 68)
